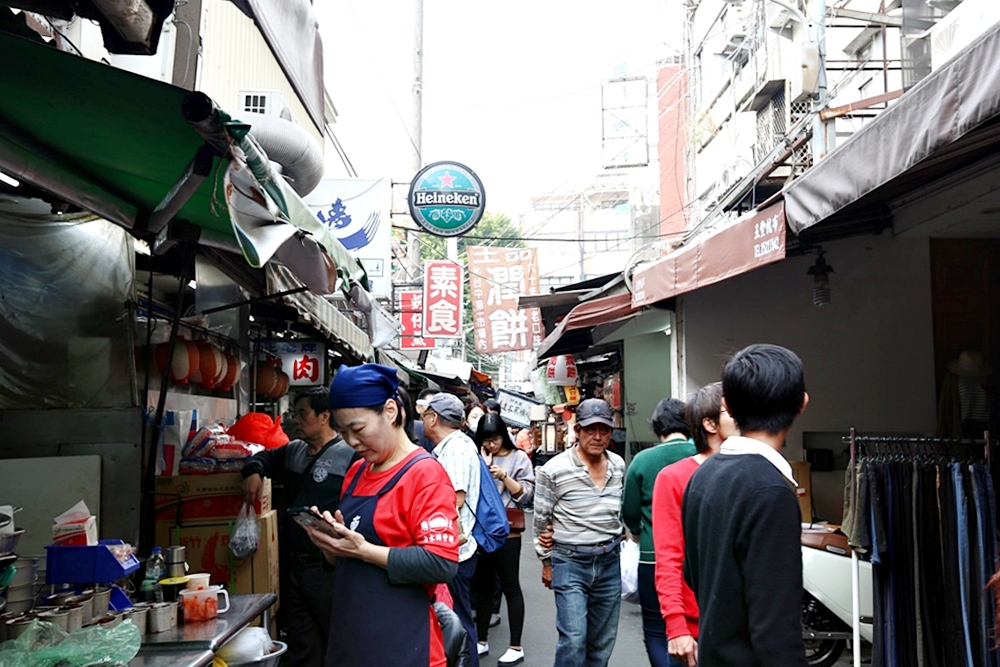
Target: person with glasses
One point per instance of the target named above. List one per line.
(515, 480)
(311, 468)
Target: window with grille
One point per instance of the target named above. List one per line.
(772, 124)
(255, 103)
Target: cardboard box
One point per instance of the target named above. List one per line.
(802, 472)
(191, 500)
(207, 550)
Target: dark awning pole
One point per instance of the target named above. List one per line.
(147, 525)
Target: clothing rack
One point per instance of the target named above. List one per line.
(903, 445)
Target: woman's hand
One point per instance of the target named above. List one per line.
(346, 543)
(497, 472)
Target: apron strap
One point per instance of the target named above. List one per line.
(392, 482)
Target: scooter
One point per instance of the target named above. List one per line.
(826, 596)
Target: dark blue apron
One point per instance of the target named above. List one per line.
(380, 623)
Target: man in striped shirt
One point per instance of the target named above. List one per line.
(578, 525)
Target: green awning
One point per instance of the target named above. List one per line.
(115, 143)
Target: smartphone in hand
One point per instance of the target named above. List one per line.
(306, 517)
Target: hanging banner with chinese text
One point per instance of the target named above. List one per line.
(411, 313)
(443, 290)
(303, 361)
(496, 277)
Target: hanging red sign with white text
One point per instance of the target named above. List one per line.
(411, 314)
(443, 292)
(497, 276)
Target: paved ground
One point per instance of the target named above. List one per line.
(539, 638)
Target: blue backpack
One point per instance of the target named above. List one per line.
(491, 527)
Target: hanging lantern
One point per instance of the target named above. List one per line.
(561, 371)
(267, 380)
(184, 364)
(281, 386)
(210, 362)
(232, 372)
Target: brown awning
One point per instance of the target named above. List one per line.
(752, 241)
(589, 314)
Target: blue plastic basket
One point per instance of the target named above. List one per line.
(86, 565)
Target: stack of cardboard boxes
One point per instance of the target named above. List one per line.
(198, 512)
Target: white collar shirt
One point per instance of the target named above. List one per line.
(737, 444)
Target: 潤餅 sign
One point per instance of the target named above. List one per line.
(446, 198)
(497, 276)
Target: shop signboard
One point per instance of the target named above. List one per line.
(304, 361)
(516, 408)
(754, 240)
(496, 277)
(446, 198)
(443, 291)
(411, 313)
(357, 213)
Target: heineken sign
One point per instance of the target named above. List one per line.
(447, 198)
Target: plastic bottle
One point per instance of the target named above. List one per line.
(156, 569)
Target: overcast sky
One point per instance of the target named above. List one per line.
(512, 89)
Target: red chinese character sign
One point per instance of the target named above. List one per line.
(411, 314)
(496, 277)
(303, 361)
(443, 290)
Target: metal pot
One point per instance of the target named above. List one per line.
(138, 615)
(102, 597)
(161, 617)
(58, 617)
(75, 617)
(18, 626)
(87, 603)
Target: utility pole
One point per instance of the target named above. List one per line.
(412, 236)
(824, 132)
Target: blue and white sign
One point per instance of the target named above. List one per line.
(357, 213)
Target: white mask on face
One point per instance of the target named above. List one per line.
(473, 423)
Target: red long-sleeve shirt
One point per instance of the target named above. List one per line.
(677, 602)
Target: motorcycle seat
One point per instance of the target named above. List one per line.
(824, 540)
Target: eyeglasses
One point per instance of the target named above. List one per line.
(495, 440)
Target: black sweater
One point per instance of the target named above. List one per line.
(743, 561)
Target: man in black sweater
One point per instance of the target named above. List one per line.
(742, 523)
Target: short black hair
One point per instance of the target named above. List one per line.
(764, 387)
(668, 417)
(491, 405)
(492, 425)
(424, 393)
(706, 403)
(319, 399)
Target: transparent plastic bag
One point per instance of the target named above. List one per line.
(246, 533)
(45, 645)
(248, 645)
(630, 571)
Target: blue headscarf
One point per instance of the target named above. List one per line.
(362, 386)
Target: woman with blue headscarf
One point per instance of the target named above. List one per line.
(396, 532)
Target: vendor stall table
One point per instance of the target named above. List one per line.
(210, 635)
(173, 659)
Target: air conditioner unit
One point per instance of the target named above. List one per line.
(776, 16)
(265, 102)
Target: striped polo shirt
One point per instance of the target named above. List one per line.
(579, 512)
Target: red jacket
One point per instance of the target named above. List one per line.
(677, 601)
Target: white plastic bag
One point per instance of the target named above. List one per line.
(248, 645)
(246, 533)
(630, 571)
